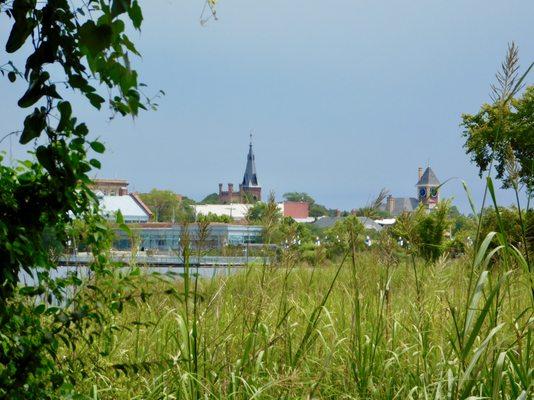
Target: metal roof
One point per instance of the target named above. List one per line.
(236, 211)
(428, 178)
(130, 209)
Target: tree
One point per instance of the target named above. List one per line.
(344, 235)
(168, 206)
(74, 49)
(163, 203)
(502, 133)
(424, 232)
(256, 212)
(316, 210)
(212, 198)
(299, 196)
(210, 218)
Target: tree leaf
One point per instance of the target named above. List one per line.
(95, 163)
(95, 38)
(95, 100)
(98, 147)
(20, 31)
(135, 14)
(33, 125)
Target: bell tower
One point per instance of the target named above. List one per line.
(428, 188)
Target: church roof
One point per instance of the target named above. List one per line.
(428, 178)
(400, 205)
(250, 178)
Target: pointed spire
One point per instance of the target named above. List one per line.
(250, 178)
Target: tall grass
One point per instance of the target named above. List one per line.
(358, 329)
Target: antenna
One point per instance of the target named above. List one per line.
(250, 135)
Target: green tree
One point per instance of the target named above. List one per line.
(70, 50)
(256, 212)
(344, 235)
(316, 210)
(210, 218)
(168, 206)
(299, 196)
(502, 133)
(212, 198)
(424, 232)
(510, 225)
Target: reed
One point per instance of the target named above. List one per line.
(357, 331)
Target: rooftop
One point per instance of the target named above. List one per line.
(428, 178)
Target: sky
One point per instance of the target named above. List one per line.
(344, 97)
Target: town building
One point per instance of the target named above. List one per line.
(110, 187)
(249, 189)
(113, 196)
(167, 237)
(236, 211)
(427, 194)
(296, 209)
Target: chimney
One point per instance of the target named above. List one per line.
(220, 188)
(391, 203)
(420, 172)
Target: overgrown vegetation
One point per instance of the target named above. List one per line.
(366, 332)
(398, 320)
(70, 48)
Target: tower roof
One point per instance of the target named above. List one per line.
(250, 178)
(428, 178)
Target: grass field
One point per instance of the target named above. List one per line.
(372, 328)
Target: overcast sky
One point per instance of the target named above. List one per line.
(345, 97)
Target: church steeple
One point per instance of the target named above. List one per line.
(250, 179)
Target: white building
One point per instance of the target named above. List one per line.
(130, 205)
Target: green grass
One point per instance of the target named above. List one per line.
(359, 330)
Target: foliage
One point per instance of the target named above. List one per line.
(261, 212)
(299, 196)
(373, 340)
(168, 206)
(226, 219)
(290, 232)
(424, 231)
(256, 212)
(344, 236)
(270, 219)
(212, 198)
(373, 210)
(502, 133)
(316, 210)
(510, 224)
(72, 49)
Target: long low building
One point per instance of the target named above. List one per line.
(236, 211)
(171, 237)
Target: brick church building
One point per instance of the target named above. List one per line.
(249, 190)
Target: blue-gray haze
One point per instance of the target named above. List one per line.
(345, 97)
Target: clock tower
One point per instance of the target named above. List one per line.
(428, 188)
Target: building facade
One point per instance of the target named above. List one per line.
(427, 194)
(296, 209)
(110, 187)
(113, 196)
(171, 237)
(249, 189)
